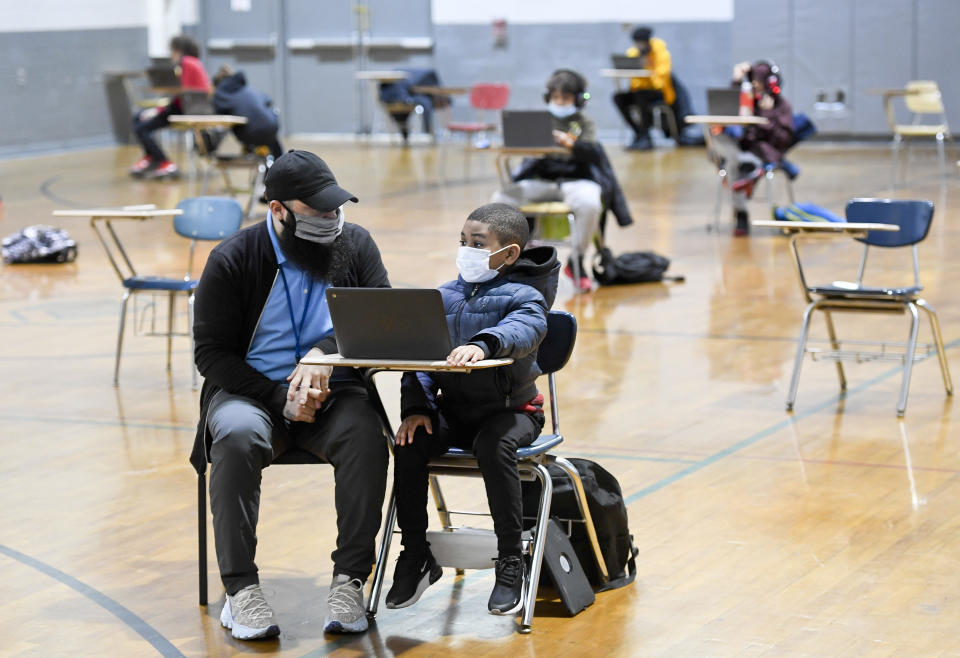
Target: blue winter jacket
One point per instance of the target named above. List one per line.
(507, 317)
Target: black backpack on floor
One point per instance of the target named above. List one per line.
(605, 500)
(631, 267)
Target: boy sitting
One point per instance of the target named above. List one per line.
(497, 308)
(582, 178)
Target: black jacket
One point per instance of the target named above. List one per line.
(507, 317)
(234, 96)
(587, 160)
(233, 290)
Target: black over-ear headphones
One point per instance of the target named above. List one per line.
(774, 81)
(581, 96)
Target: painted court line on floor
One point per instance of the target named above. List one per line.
(764, 433)
(135, 623)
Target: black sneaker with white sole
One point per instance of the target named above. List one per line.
(413, 574)
(507, 595)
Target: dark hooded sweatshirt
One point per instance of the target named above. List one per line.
(234, 96)
(507, 318)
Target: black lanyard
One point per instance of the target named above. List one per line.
(296, 330)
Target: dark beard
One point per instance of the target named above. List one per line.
(322, 262)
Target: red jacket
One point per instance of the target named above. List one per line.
(192, 74)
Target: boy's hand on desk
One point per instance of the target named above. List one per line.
(565, 140)
(409, 427)
(464, 354)
(306, 377)
(304, 412)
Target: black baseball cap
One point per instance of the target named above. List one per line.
(301, 175)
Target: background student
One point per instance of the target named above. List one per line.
(232, 95)
(645, 92)
(154, 163)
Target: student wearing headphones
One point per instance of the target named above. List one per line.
(753, 147)
(568, 177)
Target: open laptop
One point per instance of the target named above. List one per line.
(625, 62)
(527, 129)
(163, 76)
(195, 102)
(723, 101)
(389, 323)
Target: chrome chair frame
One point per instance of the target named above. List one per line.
(858, 298)
(532, 464)
(134, 283)
(902, 132)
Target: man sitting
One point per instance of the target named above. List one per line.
(261, 308)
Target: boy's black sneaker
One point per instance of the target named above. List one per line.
(507, 595)
(413, 574)
(742, 226)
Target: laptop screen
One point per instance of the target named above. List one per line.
(527, 129)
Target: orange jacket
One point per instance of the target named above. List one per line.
(657, 62)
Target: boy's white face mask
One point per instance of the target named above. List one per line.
(561, 111)
(474, 264)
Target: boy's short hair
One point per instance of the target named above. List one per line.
(224, 72)
(642, 34)
(186, 45)
(566, 81)
(506, 222)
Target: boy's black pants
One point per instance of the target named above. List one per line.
(144, 125)
(642, 99)
(494, 440)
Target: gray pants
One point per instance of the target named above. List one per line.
(725, 147)
(347, 433)
(583, 197)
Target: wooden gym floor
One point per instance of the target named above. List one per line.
(832, 531)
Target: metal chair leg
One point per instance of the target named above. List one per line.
(789, 189)
(202, 534)
(801, 350)
(942, 152)
(380, 571)
(575, 254)
(938, 341)
(835, 345)
(581, 497)
(540, 540)
(442, 509)
(123, 317)
(909, 358)
(195, 374)
(770, 194)
(718, 207)
(895, 157)
(171, 299)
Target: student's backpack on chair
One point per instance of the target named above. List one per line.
(605, 500)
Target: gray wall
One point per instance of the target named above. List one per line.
(465, 54)
(52, 91)
(853, 45)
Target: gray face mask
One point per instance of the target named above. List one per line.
(322, 230)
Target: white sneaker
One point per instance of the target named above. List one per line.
(248, 616)
(345, 602)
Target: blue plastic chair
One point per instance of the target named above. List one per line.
(913, 218)
(532, 461)
(203, 218)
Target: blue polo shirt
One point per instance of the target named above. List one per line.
(273, 349)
